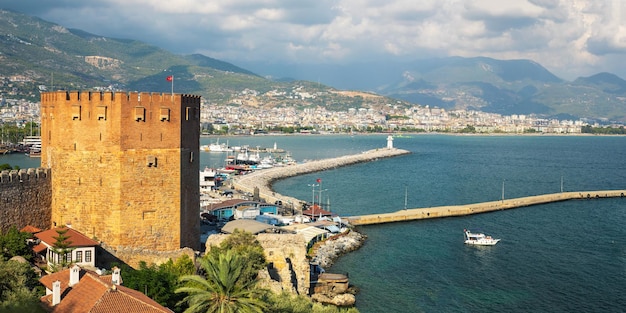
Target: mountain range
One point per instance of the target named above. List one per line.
(49, 54)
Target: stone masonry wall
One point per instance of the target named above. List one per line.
(25, 197)
(287, 254)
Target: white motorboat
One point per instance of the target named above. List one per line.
(216, 147)
(479, 239)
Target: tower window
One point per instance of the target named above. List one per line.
(101, 113)
(140, 114)
(151, 161)
(76, 111)
(165, 114)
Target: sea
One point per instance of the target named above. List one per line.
(566, 256)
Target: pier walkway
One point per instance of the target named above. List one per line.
(476, 208)
(263, 179)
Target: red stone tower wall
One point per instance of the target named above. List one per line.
(124, 166)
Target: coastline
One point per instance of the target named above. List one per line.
(394, 134)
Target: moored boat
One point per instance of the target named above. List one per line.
(479, 239)
(34, 152)
(216, 147)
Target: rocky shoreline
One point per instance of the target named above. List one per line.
(331, 249)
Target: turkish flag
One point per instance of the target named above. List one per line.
(169, 78)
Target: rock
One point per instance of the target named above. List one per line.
(344, 299)
(333, 248)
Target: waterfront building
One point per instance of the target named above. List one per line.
(124, 166)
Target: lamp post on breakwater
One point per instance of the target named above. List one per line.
(313, 194)
(319, 198)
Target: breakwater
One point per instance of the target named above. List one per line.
(477, 208)
(262, 180)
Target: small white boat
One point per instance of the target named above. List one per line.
(216, 147)
(479, 239)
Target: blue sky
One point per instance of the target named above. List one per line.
(571, 38)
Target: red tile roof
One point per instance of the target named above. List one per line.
(40, 248)
(30, 229)
(77, 239)
(316, 211)
(96, 294)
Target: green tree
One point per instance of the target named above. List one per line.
(246, 245)
(19, 290)
(225, 288)
(5, 166)
(183, 266)
(468, 129)
(63, 248)
(156, 282)
(13, 243)
(159, 282)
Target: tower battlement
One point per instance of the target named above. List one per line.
(30, 175)
(71, 97)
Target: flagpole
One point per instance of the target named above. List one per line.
(172, 86)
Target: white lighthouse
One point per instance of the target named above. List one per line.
(389, 142)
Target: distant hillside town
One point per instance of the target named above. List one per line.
(300, 111)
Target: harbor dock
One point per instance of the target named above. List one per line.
(477, 208)
(263, 179)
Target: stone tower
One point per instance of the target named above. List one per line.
(124, 166)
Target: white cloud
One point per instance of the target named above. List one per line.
(569, 37)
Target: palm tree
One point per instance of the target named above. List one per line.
(225, 289)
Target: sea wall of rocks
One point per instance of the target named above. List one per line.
(329, 250)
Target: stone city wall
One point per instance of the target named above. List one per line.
(132, 256)
(25, 198)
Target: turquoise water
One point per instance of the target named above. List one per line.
(20, 160)
(560, 257)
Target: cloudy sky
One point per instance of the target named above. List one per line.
(571, 38)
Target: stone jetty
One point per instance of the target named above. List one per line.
(483, 207)
(263, 179)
